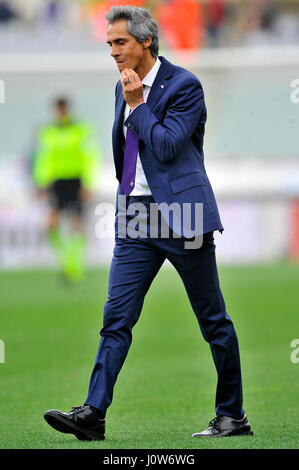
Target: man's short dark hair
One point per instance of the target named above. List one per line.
(140, 24)
(61, 101)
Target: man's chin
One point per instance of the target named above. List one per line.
(121, 66)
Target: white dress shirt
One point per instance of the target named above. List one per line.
(141, 187)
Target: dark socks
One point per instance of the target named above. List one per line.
(97, 412)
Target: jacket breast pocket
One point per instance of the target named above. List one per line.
(187, 182)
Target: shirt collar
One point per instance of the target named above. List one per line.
(150, 77)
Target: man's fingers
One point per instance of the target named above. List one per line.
(124, 74)
(124, 77)
(135, 76)
(132, 88)
(131, 75)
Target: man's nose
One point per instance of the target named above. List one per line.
(114, 51)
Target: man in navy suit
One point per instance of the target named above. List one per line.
(158, 133)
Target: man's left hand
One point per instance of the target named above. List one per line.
(86, 195)
(132, 88)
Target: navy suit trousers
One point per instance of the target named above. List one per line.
(135, 263)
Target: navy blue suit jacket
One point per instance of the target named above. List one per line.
(170, 127)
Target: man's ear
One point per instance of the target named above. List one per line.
(147, 42)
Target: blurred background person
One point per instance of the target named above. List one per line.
(214, 14)
(64, 167)
(256, 23)
(7, 12)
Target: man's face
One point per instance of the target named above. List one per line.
(126, 51)
(62, 110)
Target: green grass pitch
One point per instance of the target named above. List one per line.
(166, 389)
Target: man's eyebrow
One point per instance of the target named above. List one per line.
(117, 40)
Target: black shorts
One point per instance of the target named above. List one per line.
(65, 195)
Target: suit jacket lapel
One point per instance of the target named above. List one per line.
(160, 83)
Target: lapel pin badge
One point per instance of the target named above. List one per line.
(162, 86)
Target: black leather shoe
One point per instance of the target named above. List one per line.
(225, 426)
(82, 421)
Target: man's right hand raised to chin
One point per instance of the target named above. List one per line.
(132, 88)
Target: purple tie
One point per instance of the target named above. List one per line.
(130, 158)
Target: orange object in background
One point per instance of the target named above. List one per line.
(181, 23)
(96, 12)
(294, 241)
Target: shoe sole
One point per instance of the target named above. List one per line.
(64, 426)
(246, 433)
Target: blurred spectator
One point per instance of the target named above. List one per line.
(53, 11)
(7, 12)
(29, 11)
(257, 19)
(214, 14)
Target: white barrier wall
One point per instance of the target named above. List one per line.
(257, 224)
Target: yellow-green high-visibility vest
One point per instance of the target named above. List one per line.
(66, 151)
